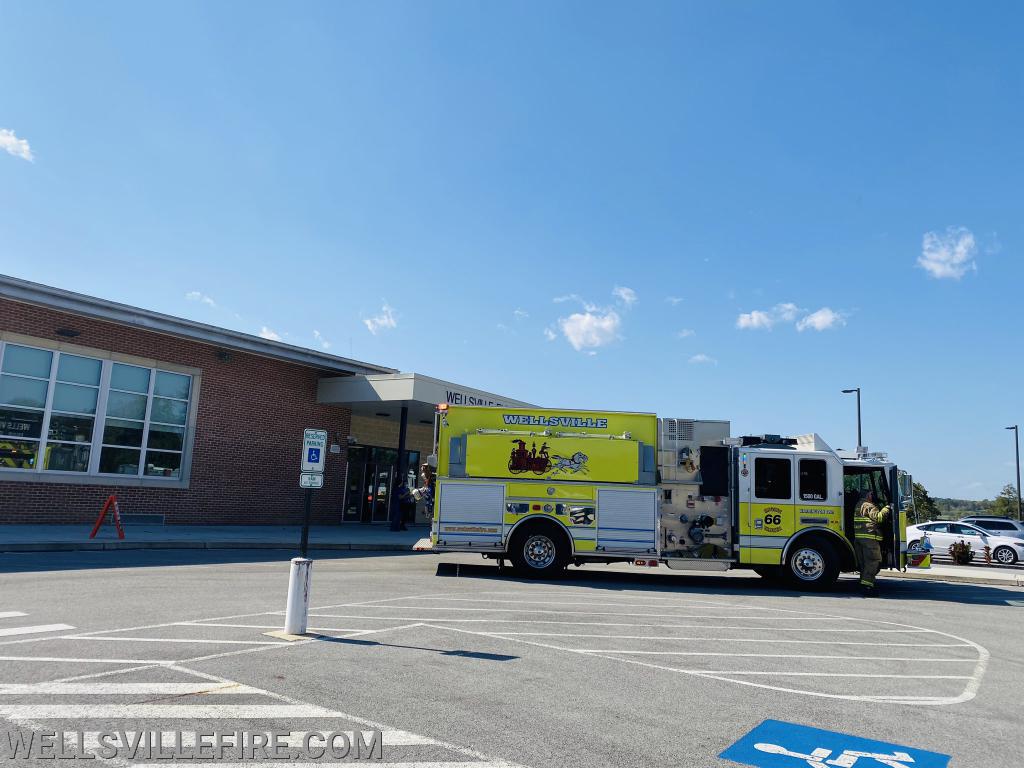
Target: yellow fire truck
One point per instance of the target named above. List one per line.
(548, 488)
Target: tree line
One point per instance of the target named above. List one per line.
(937, 508)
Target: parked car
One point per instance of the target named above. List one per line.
(1006, 550)
(1001, 526)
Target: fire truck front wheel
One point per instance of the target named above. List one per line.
(539, 550)
(812, 564)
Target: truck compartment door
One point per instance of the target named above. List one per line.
(626, 520)
(470, 515)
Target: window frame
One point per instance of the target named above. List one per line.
(92, 476)
(800, 480)
(757, 474)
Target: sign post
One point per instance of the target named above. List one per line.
(314, 455)
(311, 476)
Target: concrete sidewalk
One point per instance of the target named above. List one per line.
(1005, 576)
(63, 538)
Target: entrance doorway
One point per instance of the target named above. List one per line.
(371, 478)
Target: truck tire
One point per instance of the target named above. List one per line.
(539, 550)
(812, 564)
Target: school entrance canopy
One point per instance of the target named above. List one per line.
(403, 398)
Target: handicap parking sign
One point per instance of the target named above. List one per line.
(314, 446)
(776, 744)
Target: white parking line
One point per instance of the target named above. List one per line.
(34, 630)
(197, 641)
(631, 603)
(438, 619)
(416, 764)
(103, 711)
(117, 689)
(775, 641)
(86, 661)
(765, 655)
(595, 613)
(11, 614)
(828, 674)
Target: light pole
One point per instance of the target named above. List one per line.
(1016, 445)
(860, 440)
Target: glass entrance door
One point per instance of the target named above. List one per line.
(371, 480)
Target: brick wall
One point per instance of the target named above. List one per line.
(248, 436)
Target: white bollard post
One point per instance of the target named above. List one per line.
(297, 611)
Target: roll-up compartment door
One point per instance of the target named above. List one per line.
(470, 514)
(626, 519)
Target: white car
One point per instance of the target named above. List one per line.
(1000, 526)
(1006, 550)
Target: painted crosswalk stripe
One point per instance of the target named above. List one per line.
(190, 641)
(8, 631)
(153, 711)
(11, 614)
(118, 689)
(318, 764)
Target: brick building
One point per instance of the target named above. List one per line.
(189, 423)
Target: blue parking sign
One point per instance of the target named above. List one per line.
(775, 744)
(314, 456)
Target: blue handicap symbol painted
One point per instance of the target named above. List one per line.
(775, 744)
(314, 456)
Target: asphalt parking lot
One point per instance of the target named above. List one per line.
(458, 664)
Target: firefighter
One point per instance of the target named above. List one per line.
(867, 526)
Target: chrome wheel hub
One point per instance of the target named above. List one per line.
(1005, 556)
(539, 551)
(808, 565)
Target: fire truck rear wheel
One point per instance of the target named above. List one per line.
(538, 551)
(812, 564)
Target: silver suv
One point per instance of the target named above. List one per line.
(1000, 526)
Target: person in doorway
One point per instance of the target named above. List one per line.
(426, 490)
(867, 526)
(401, 497)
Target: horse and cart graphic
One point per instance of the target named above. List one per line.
(523, 460)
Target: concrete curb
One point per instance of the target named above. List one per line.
(1016, 581)
(79, 546)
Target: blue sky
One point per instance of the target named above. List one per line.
(708, 210)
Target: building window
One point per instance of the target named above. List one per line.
(61, 412)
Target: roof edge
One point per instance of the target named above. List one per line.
(28, 292)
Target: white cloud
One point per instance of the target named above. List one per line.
(949, 254)
(587, 330)
(627, 296)
(786, 312)
(267, 333)
(674, 300)
(318, 337)
(821, 320)
(550, 335)
(201, 297)
(520, 314)
(567, 297)
(756, 319)
(764, 319)
(685, 333)
(703, 359)
(15, 146)
(386, 319)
